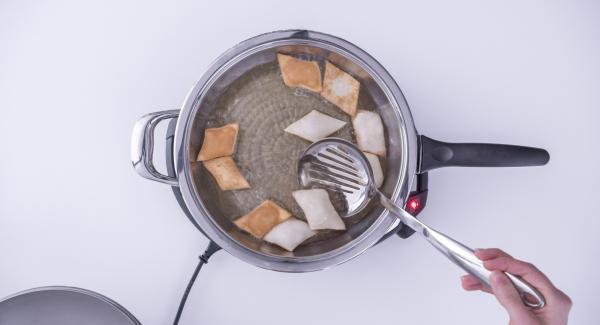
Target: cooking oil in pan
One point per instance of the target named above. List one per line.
(266, 155)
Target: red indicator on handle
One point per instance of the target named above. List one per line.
(416, 202)
(413, 204)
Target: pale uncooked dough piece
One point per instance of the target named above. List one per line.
(369, 132)
(315, 126)
(318, 210)
(226, 173)
(300, 73)
(289, 234)
(376, 167)
(219, 142)
(263, 218)
(341, 89)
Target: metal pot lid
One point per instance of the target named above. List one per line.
(62, 306)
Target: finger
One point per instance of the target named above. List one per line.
(523, 269)
(476, 287)
(469, 279)
(471, 283)
(509, 298)
(489, 253)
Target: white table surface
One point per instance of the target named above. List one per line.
(74, 78)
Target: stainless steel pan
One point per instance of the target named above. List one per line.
(240, 87)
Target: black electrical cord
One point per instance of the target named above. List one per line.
(211, 249)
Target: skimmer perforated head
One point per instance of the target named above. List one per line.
(337, 165)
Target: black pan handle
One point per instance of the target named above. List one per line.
(436, 154)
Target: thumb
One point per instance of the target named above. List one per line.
(510, 298)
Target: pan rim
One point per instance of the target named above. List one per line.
(375, 231)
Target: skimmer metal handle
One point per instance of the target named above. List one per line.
(463, 256)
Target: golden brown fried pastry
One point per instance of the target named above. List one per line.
(226, 173)
(300, 73)
(263, 218)
(219, 142)
(341, 89)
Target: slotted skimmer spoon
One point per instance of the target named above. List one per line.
(339, 166)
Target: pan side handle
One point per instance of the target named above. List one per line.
(142, 146)
(435, 154)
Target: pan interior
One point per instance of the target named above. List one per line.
(251, 92)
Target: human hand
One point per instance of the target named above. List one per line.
(558, 304)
